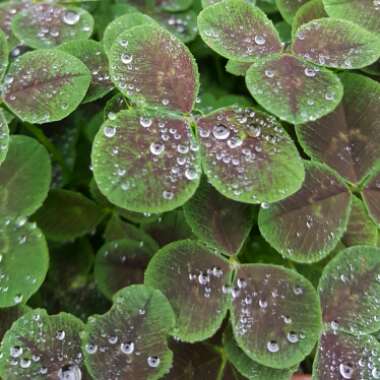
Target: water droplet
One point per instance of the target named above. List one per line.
(109, 131)
(145, 122)
(127, 348)
(292, 337)
(273, 346)
(153, 361)
(71, 18)
(91, 348)
(191, 174)
(157, 148)
(221, 132)
(260, 40)
(16, 351)
(70, 372)
(25, 363)
(346, 370)
(126, 58)
(309, 72)
(60, 335)
(167, 195)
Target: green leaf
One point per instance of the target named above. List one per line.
(221, 223)
(247, 367)
(237, 68)
(4, 53)
(91, 53)
(239, 31)
(153, 68)
(131, 337)
(67, 215)
(352, 276)
(39, 346)
(371, 194)
(121, 263)
(193, 279)
(146, 161)
(113, 106)
(309, 11)
(23, 260)
(336, 43)
(45, 85)
(248, 156)
(294, 90)
(361, 230)
(307, 226)
(117, 229)
(47, 25)
(347, 139)
(4, 137)
(275, 315)
(121, 24)
(343, 356)
(25, 177)
(289, 8)
(362, 12)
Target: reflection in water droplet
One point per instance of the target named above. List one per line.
(346, 370)
(153, 361)
(70, 372)
(273, 346)
(71, 18)
(127, 348)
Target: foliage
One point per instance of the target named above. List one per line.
(189, 189)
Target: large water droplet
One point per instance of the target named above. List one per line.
(153, 361)
(157, 148)
(71, 18)
(346, 370)
(127, 348)
(221, 132)
(273, 346)
(70, 372)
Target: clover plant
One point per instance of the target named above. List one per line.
(189, 189)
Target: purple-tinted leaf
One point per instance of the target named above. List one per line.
(45, 85)
(352, 276)
(361, 230)
(151, 67)
(121, 263)
(238, 30)
(4, 137)
(362, 12)
(47, 25)
(294, 90)
(121, 24)
(275, 315)
(343, 356)
(306, 226)
(289, 8)
(237, 68)
(309, 11)
(67, 215)
(218, 221)
(336, 43)
(347, 139)
(145, 161)
(193, 279)
(247, 367)
(91, 53)
(25, 177)
(129, 341)
(39, 346)
(23, 260)
(248, 156)
(371, 195)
